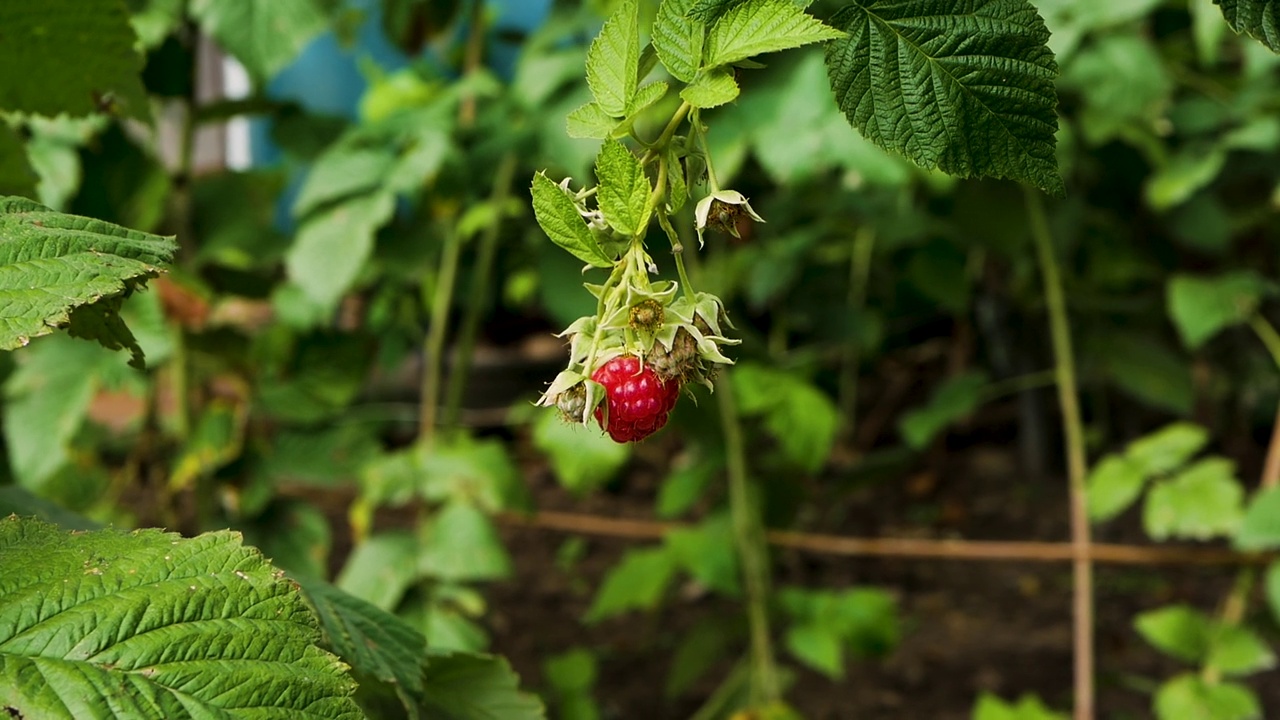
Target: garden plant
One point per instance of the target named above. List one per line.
(273, 430)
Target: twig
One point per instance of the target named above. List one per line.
(1073, 433)
(922, 549)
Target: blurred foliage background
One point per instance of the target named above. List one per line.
(342, 362)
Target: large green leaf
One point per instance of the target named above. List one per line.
(966, 86)
(69, 56)
(59, 270)
(1028, 707)
(264, 35)
(638, 582)
(1259, 18)
(108, 624)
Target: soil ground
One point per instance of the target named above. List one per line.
(1002, 627)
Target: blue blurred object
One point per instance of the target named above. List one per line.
(326, 78)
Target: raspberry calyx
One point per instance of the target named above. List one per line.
(637, 400)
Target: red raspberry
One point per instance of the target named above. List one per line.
(638, 401)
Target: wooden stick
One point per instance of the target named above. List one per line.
(990, 550)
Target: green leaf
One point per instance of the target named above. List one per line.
(1273, 589)
(380, 569)
(460, 544)
(294, 534)
(1189, 697)
(1167, 449)
(1028, 707)
(1259, 18)
(1260, 529)
(560, 220)
(589, 121)
(46, 402)
(686, 483)
(468, 686)
(678, 39)
(84, 52)
(264, 35)
(1178, 180)
(706, 551)
(965, 87)
(333, 245)
(799, 415)
(1114, 484)
(1201, 307)
(818, 648)
(16, 175)
(613, 61)
(217, 440)
(701, 648)
(953, 400)
(711, 88)
(1201, 502)
(17, 500)
(624, 189)
(52, 263)
(762, 26)
(1122, 81)
(1177, 630)
(374, 642)
(341, 172)
(647, 96)
(637, 582)
(582, 458)
(480, 471)
(148, 624)
(1237, 650)
(572, 671)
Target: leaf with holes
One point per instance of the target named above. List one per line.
(966, 87)
(108, 624)
(59, 270)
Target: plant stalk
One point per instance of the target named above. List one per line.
(481, 278)
(753, 551)
(433, 348)
(864, 240)
(1073, 435)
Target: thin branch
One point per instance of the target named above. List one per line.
(1073, 436)
(972, 550)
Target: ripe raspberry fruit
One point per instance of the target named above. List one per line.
(637, 400)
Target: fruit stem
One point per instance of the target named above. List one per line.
(481, 278)
(1073, 435)
(753, 552)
